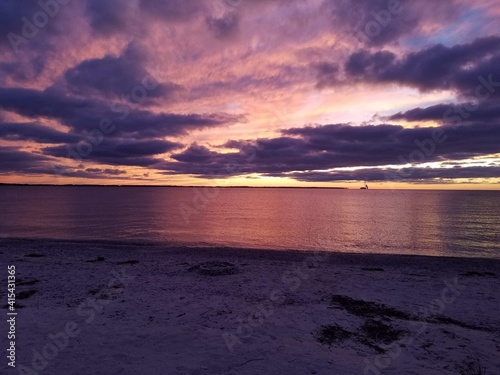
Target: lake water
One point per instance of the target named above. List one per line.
(451, 223)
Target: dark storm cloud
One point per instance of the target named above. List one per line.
(31, 34)
(195, 154)
(87, 114)
(485, 111)
(12, 13)
(394, 175)
(434, 112)
(14, 160)
(383, 143)
(371, 64)
(105, 17)
(140, 148)
(35, 132)
(38, 29)
(117, 77)
(435, 68)
(336, 146)
(323, 136)
(116, 151)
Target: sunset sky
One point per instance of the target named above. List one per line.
(398, 94)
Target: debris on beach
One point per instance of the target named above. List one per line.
(213, 268)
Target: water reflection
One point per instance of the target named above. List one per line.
(405, 222)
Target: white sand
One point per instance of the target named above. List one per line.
(264, 319)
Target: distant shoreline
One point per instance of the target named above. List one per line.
(239, 187)
(187, 186)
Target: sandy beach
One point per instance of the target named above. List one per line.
(108, 308)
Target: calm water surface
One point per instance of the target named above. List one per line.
(456, 223)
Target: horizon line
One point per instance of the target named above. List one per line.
(234, 187)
